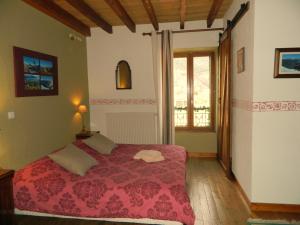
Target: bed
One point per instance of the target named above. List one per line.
(118, 188)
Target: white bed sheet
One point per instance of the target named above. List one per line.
(127, 220)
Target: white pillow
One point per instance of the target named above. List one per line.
(73, 159)
(100, 143)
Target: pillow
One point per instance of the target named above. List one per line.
(73, 159)
(100, 143)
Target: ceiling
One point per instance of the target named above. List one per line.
(165, 10)
(137, 11)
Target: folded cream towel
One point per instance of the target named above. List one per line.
(149, 156)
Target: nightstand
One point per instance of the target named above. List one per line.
(6, 197)
(85, 135)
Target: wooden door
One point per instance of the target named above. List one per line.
(224, 103)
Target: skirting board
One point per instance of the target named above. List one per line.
(267, 207)
(242, 192)
(204, 155)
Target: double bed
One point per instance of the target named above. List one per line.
(118, 188)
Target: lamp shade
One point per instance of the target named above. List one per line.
(82, 108)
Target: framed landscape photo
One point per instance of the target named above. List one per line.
(287, 63)
(35, 73)
(241, 60)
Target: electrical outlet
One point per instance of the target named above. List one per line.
(11, 115)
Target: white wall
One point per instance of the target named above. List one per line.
(265, 142)
(276, 142)
(242, 36)
(105, 50)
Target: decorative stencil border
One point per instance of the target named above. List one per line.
(276, 106)
(267, 106)
(133, 101)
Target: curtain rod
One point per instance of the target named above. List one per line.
(188, 31)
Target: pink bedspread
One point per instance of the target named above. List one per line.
(118, 187)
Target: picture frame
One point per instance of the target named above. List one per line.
(241, 60)
(36, 73)
(287, 63)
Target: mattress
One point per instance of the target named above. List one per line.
(119, 187)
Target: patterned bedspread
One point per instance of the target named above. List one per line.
(118, 187)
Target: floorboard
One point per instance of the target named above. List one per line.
(215, 200)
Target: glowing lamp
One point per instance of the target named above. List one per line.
(82, 108)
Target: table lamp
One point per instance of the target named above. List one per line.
(82, 109)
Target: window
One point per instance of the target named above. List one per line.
(194, 90)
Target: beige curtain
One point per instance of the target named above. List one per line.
(162, 50)
(168, 129)
(157, 74)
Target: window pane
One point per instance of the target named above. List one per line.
(201, 91)
(180, 91)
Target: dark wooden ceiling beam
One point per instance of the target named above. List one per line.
(215, 7)
(88, 12)
(182, 13)
(151, 13)
(122, 14)
(51, 9)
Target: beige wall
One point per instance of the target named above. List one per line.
(276, 152)
(197, 141)
(42, 124)
(104, 51)
(265, 143)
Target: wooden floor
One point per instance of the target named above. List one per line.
(215, 200)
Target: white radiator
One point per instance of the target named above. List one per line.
(132, 127)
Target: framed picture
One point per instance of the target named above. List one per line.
(287, 63)
(241, 60)
(35, 73)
